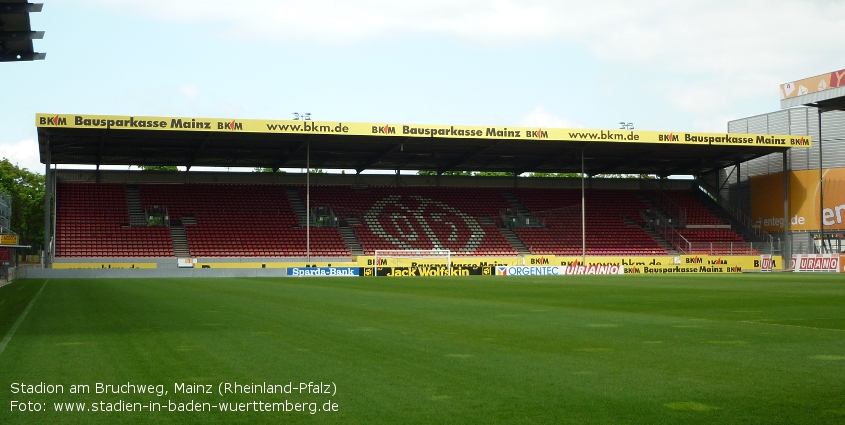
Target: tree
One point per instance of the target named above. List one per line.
(563, 175)
(159, 168)
(625, 176)
(27, 192)
(493, 174)
(445, 173)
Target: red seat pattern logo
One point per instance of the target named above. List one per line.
(415, 222)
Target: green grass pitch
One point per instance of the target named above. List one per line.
(746, 349)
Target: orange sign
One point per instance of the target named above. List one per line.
(804, 200)
(813, 84)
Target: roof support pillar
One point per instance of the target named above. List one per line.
(821, 186)
(787, 240)
(48, 184)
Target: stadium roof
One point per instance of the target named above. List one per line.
(16, 35)
(124, 140)
(826, 91)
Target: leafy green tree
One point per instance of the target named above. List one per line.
(559, 175)
(625, 176)
(159, 168)
(27, 192)
(494, 174)
(445, 173)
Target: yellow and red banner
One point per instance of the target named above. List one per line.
(804, 200)
(813, 84)
(223, 125)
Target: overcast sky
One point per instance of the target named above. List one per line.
(662, 65)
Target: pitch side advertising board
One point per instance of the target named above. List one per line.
(558, 270)
(817, 263)
(430, 270)
(324, 271)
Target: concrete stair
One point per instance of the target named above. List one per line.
(137, 217)
(180, 240)
(351, 240)
(298, 206)
(515, 241)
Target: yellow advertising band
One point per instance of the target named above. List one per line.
(111, 122)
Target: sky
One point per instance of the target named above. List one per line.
(661, 65)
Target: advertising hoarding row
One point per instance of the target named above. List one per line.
(228, 125)
(531, 265)
(817, 263)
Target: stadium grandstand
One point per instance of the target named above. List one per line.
(163, 219)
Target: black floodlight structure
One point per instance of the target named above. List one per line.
(16, 34)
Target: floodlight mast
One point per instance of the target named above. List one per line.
(583, 214)
(308, 201)
(307, 117)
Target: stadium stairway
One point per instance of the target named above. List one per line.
(136, 210)
(654, 235)
(516, 204)
(659, 212)
(509, 234)
(349, 237)
(297, 205)
(514, 240)
(180, 240)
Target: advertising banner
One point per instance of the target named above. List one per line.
(430, 270)
(105, 265)
(228, 125)
(323, 271)
(8, 239)
(463, 261)
(804, 200)
(765, 263)
(186, 262)
(813, 84)
(679, 264)
(558, 270)
(816, 263)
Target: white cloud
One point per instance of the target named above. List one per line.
(190, 91)
(335, 21)
(714, 53)
(24, 154)
(540, 117)
(701, 32)
(728, 38)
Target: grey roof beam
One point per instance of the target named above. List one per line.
(378, 157)
(20, 8)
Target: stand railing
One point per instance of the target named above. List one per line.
(323, 217)
(513, 219)
(661, 224)
(755, 227)
(730, 248)
(677, 213)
